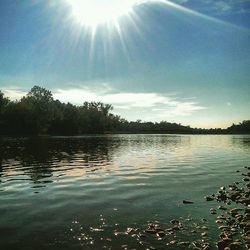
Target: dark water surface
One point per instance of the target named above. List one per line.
(78, 192)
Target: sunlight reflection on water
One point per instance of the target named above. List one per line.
(85, 191)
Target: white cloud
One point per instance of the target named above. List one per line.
(223, 6)
(132, 106)
(155, 106)
(14, 93)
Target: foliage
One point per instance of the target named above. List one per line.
(38, 113)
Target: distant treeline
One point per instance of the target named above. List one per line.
(38, 113)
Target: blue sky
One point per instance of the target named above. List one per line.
(184, 61)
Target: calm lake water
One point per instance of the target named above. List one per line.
(78, 192)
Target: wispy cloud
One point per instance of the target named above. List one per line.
(223, 6)
(145, 106)
(218, 7)
(14, 93)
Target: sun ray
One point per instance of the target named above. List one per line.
(95, 12)
(201, 15)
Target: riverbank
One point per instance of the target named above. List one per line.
(231, 212)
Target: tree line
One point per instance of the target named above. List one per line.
(39, 113)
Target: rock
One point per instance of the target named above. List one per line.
(183, 243)
(206, 247)
(142, 235)
(222, 208)
(161, 234)
(235, 245)
(219, 221)
(223, 228)
(175, 228)
(204, 234)
(234, 211)
(173, 242)
(222, 196)
(245, 201)
(187, 202)
(209, 198)
(158, 229)
(130, 230)
(174, 221)
(150, 231)
(221, 217)
(222, 244)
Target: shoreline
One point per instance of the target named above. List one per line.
(231, 215)
(113, 133)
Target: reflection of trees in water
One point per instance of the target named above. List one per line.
(38, 157)
(1, 159)
(41, 157)
(155, 142)
(242, 141)
(1, 169)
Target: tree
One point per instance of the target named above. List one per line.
(40, 94)
(40, 101)
(3, 101)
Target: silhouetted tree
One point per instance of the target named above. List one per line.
(39, 113)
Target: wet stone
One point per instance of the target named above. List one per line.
(235, 246)
(174, 221)
(222, 244)
(223, 228)
(209, 198)
(219, 221)
(187, 202)
(222, 208)
(204, 234)
(150, 231)
(161, 234)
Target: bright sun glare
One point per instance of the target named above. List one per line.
(95, 12)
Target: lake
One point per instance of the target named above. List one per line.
(84, 192)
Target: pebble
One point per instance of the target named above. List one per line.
(222, 244)
(173, 242)
(209, 198)
(174, 221)
(161, 234)
(150, 231)
(204, 234)
(222, 208)
(187, 202)
(235, 245)
(219, 221)
(236, 219)
(223, 227)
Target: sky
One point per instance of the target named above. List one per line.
(184, 61)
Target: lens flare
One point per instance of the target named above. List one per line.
(95, 12)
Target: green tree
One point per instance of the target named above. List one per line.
(40, 101)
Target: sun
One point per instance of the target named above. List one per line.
(95, 12)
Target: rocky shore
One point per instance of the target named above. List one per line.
(231, 215)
